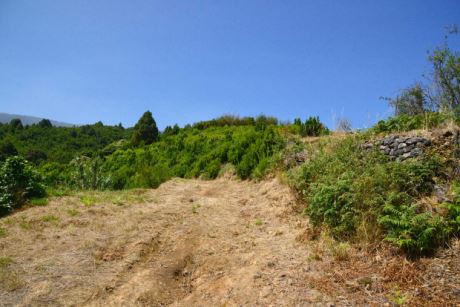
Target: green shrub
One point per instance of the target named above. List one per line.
(412, 230)
(404, 122)
(192, 153)
(311, 127)
(362, 194)
(18, 182)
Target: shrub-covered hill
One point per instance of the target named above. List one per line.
(189, 153)
(358, 190)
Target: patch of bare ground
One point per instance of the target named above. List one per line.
(199, 243)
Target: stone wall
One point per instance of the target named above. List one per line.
(401, 147)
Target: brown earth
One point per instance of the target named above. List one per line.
(188, 243)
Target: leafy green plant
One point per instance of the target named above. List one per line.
(72, 212)
(87, 200)
(359, 194)
(18, 182)
(413, 231)
(311, 127)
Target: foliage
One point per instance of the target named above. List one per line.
(446, 76)
(363, 194)
(442, 93)
(411, 101)
(145, 131)
(87, 173)
(311, 127)
(411, 230)
(192, 153)
(57, 144)
(230, 120)
(18, 182)
(7, 149)
(405, 122)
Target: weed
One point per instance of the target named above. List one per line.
(87, 200)
(258, 222)
(195, 208)
(5, 262)
(398, 297)
(59, 191)
(24, 224)
(9, 279)
(341, 251)
(72, 212)
(39, 201)
(52, 219)
(3, 232)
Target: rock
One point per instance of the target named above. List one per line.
(402, 145)
(417, 152)
(406, 155)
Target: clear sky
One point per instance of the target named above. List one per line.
(84, 61)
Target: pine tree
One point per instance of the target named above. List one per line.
(145, 131)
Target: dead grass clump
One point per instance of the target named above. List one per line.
(401, 271)
(10, 279)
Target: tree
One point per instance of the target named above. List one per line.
(45, 123)
(7, 149)
(343, 125)
(446, 75)
(145, 131)
(36, 156)
(16, 123)
(411, 101)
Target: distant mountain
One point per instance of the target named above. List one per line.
(29, 120)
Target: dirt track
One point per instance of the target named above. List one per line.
(189, 243)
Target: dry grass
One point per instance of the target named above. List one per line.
(147, 247)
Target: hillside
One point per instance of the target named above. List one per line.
(30, 120)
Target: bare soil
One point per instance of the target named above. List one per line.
(189, 243)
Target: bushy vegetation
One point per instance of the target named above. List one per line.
(404, 122)
(18, 183)
(43, 143)
(311, 127)
(194, 153)
(230, 120)
(362, 195)
(145, 131)
(441, 92)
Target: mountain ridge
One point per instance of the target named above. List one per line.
(30, 120)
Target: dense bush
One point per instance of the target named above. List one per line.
(359, 194)
(230, 120)
(43, 143)
(311, 127)
(18, 183)
(405, 122)
(194, 153)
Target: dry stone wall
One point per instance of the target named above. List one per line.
(401, 147)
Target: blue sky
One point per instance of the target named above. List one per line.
(84, 61)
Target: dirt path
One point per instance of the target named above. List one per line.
(188, 243)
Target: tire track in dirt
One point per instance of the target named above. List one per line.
(194, 243)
